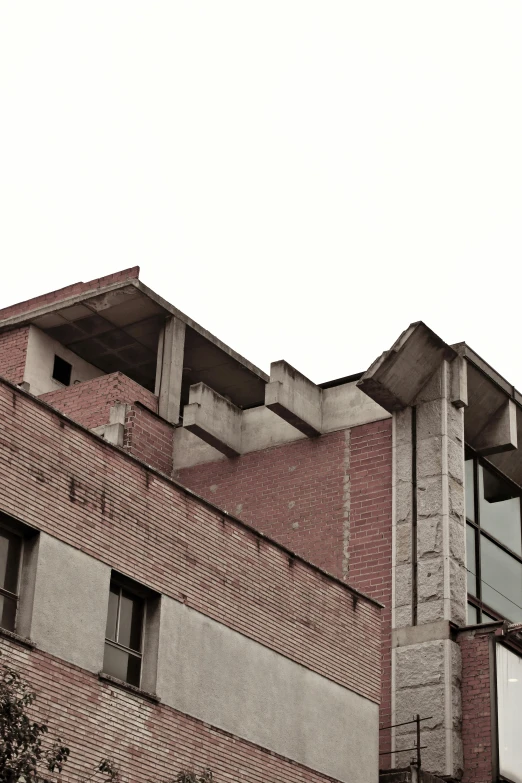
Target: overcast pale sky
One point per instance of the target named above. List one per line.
(304, 178)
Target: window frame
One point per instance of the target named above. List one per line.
(476, 600)
(5, 526)
(125, 585)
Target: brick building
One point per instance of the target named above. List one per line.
(233, 516)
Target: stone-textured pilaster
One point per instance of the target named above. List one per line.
(430, 576)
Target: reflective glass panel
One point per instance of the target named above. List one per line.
(131, 611)
(112, 613)
(501, 580)
(122, 665)
(472, 615)
(499, 510)
(10, 546)
(470, 490)
(471, 561)
(509, 696)
(7, 612)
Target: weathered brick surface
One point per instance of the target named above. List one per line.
(146, 740)
(89, 403)
(293, 493)
(68, 291)
(149, 438)
(476, 706)
(300, 494)
(13, 352)
(66, 481)
(370, 547)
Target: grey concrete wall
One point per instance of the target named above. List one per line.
(71, 595)
(223, 678)
(41, 350)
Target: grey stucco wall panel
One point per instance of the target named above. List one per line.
(223, 678)
(70, 604)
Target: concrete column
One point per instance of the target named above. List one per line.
(429, 571)
(169, 369)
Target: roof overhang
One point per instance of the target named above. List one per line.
(493, 407)
(117, 328)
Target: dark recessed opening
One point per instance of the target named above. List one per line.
(62, 371)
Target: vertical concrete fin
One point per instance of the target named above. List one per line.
(294, 398)
(500, 432)
(169, 369)
(213, 419)
(459, 382)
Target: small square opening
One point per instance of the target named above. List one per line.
(62, 371)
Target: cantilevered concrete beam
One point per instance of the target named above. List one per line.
(395, 379)
(294, 398)
(500, 432)
(213, 419)
(169, 369)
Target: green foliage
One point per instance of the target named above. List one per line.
(27, 755)
(24, 757)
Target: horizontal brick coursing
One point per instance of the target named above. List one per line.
(64, 293)
(13, 354)
(72, 485)
(476, 707)
(89, 403)
(298, 494)
(149, 438)
(147, 741)
(292, 493)
(370, 547)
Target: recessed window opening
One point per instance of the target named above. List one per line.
(62, 371)
(124, 635)
(10, 557)
(493, 545)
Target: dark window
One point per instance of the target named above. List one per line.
(10, 556)
(123, 635)
(62, 371)
(494, 545)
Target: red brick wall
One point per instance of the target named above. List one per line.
(13, 352)
(476, 706)
(147, 741)
(89, 403)
(370, 548)
(299, 493)
(72, 485)
(293, 493)
(149, 438)
(65, 293)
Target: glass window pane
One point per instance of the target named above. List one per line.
(131, 610)
(112, 613)
(7, 612)
(470, 490)
(472, 615)
(471, 561)
(487, 618)
(10, 546)
(501, 580)
(509, 695)
(122, 665)
(499, 510)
